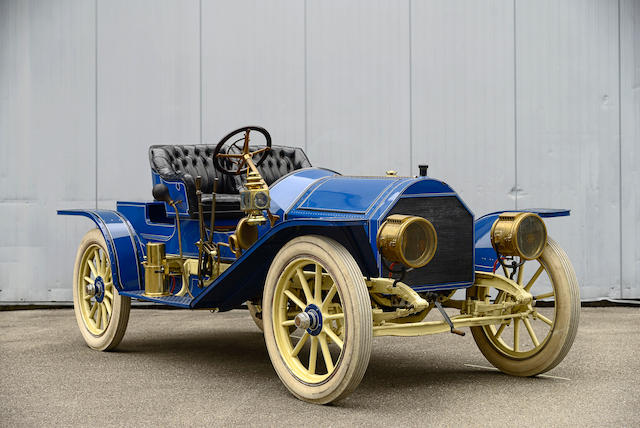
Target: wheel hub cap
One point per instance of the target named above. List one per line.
(98, 289)
(310, 319)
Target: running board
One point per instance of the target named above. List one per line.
(177, 301)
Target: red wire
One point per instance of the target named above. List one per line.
(173, 284)
(391, 267)
(495, 265)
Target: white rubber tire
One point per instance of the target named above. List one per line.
(356, 303)
(121, 305)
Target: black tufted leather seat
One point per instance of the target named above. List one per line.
(185, 162)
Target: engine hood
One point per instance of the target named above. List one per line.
(317, 192)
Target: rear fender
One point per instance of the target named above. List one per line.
(485, 254)
(123, 245)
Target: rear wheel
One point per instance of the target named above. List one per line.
(255, 310)
(315, 284)
(537, 342)
(101, 312)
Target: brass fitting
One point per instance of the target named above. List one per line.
(154, 275)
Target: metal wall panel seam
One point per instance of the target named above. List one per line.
(410, 51)
(200, 60)
(306, 85)
(620, 149)
(95, 48)
(515, 106)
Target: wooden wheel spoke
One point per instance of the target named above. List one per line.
(89, 280)
(105, 319)
(313, 354)
(516, 334)
(318, 283)
(532, 334)
(534, 278)
(331, 317)
(97, 263)
(295, 300)
(325, 352)
(92, 267)
(327, 330)
(108, 306)
(544, 296)
(500, 330)
(93, 309)
(544, 319)
(300, 344)
(332, 292)
(98, 315)
(304, 284)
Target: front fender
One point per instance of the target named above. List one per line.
(123, 245)
(485, 254)
(244, 279)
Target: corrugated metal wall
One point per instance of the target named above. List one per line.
(514, 103)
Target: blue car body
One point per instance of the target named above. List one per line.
(308, 201)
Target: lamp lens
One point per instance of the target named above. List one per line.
(531, 237)
(261, 200)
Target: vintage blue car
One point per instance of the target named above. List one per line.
(325, 262)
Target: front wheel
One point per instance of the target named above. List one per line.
(316, 285)
(101, 312)
(541, 337)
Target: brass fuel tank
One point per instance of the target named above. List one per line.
(155, 284)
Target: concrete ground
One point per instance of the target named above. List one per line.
(197, 368)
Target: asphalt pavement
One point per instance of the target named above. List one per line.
(194, 368)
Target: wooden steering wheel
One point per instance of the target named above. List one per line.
(238, 161)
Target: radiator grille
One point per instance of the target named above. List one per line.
(453, 261)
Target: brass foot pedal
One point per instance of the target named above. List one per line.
(447, 319)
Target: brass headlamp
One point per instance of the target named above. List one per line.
(519, 234)
(409, 240)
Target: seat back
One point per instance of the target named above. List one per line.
(185, 162)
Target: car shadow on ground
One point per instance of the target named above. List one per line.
(390, 371)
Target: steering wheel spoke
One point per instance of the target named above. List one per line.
(236, 163)
(262, 150)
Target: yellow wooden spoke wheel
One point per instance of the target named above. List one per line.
(101, 312)
(541, 336)
(314, 284)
